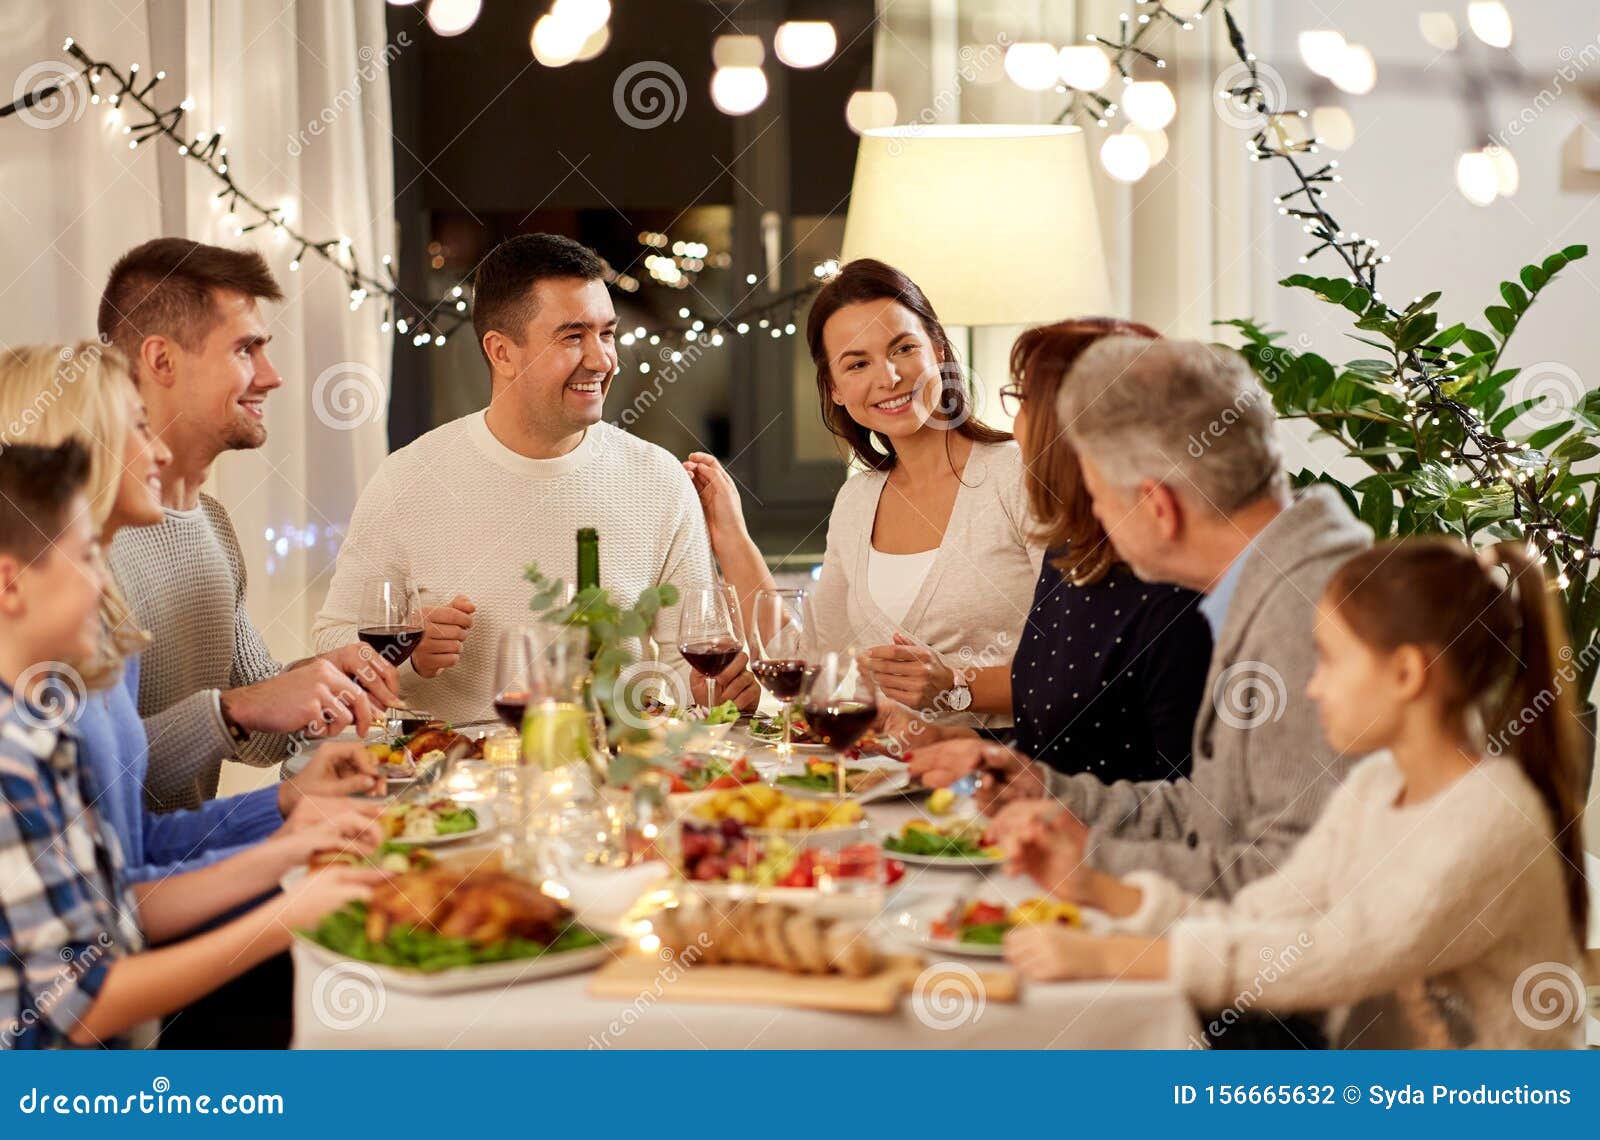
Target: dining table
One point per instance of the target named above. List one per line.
(344, 1004)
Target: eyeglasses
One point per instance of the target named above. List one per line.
(1011, 398)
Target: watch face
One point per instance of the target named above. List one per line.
(960, 698)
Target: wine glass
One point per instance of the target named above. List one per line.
(390, 621)
(709, 636)
(515, 675)
(780, 648)
(841, 702)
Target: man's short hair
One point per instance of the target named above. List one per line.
(1178, 412)
(37, 485)
(167, 287)
(502, 286)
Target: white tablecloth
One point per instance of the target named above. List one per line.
(339, 1012)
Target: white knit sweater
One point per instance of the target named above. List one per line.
(458, 512)
(1436, 924)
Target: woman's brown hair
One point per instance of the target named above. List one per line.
(865, 280)
(1504, 649)
(1063, 517)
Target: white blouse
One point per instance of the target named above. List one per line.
(895, 580)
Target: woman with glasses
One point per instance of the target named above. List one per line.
(1110, 670)
(930, 557)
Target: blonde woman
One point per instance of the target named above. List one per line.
(49, 393)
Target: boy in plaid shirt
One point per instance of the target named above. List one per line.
(73, 968)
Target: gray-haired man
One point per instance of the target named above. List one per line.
(1178, 448)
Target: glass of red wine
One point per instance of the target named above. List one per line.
(841, 703)
(709, 635)
(781, 649)
(515, 673)
(390, 621)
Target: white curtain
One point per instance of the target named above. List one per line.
(1189, 243)
(73, 197)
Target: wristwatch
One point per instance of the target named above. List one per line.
(958, 698)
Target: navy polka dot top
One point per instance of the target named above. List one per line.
(1108, 677)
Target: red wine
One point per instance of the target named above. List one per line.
(710, 658)
(840, 724)
(394, 643)
(509, 707)
(783, 679)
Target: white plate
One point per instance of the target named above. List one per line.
(463, 978)
(772, 742)
(485, 825)
(914, 924)
(893, 786)
(974, 863)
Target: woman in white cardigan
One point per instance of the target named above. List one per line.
(1439, 901)
(930, 563)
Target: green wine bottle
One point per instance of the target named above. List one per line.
(588, 558)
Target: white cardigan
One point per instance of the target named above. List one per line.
(977, 593)
(1431, 925)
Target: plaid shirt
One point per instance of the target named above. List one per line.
(64, 915)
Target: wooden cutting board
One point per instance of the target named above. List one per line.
(633, 974)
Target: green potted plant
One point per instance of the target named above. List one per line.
(1450, 444)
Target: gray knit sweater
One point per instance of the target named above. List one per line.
(185, 579)
(1262, 771)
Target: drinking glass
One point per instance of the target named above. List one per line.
(781, 646)
(515, 674)
(390, 621)
(841, 702)
(709, 636)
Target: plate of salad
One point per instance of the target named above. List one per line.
(769, 730)
(952, 843)
(821, 779)
(978, 927)
(431, 822)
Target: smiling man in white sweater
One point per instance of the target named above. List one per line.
(462, 510)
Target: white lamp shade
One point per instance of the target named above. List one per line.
(997, 224)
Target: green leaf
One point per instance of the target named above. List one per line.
(1534, 278)
(1477, 342)
(1544, 437)
(1575, 450)
(1553, 264)
(1356, 300)
(1575, 252)
(1515, 298)
(1449, 336)
(1416, 330)
(1502, 319)
(1509, 415)
(1424, 302)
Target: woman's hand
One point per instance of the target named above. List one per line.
(719, 500)
(337, 768)
(908, 672)
(1050, 952)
